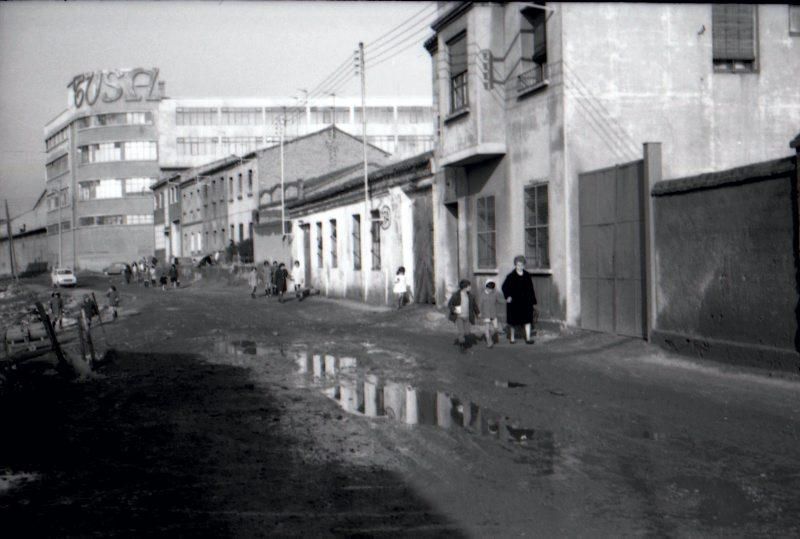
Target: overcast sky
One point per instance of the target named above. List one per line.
(203, 49)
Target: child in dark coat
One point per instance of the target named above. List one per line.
(463, 311)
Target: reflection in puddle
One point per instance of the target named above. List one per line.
(371, 396)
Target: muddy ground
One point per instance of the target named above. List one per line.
(224, 416)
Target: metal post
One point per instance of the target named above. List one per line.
(283, 205)
(10, 244)
(60, 242)
(367, 214)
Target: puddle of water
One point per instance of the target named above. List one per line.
(372, 396)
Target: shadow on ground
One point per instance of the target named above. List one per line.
(169, 444)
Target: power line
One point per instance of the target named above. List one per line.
(387, 45)
(377, 40)
(409, 42)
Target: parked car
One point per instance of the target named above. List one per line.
(115, 268)
(63, 277)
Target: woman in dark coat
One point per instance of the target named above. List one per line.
(520, 299)
(281, 278)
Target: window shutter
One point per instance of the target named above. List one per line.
(539, 39)
(733, 32)
(457, 51)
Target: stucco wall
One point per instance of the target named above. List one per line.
(343, 280)
(726, 271)
(27, 250)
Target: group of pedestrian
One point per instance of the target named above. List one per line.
(518, 296)
(275, 278)
(148, 272)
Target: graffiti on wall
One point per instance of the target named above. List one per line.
(110, 86)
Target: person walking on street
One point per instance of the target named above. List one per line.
(463, 311)
(252, 280)
(520, 299)
(400, 287)
(267, 278)
(57, 309)
(113, 300)
(281, 278)
(89, 310)
(273, 277)
(127, 273)
(488, 303)
(173, 275)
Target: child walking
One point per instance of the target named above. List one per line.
(252, 280)
(463, 311)
(400, 287)
(57, 309)
(487, 304)
(113, 300)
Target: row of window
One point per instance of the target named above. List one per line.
(54, 198)
(189, 146)
(106, 220)
(317, 115)
(402, 144)
(114, 188)
(115, 118)
(138, 150)
(57, 166)
(53, 229)
(57, 138)
(355, 235)
(195, 240)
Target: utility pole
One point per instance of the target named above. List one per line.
(60, 242)
(10, 244)
(367, 214)
(283, 205)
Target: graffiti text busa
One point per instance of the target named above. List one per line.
(110, 86)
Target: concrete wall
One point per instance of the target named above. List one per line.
(725, 262)
(28, 249)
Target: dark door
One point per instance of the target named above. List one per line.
(423, 250)
(307, 252)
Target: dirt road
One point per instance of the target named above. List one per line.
(226, 416)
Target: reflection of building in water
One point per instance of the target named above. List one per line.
(443, 407)
(317, 365)
(412, 414)
(373, 397)
(394, 401)
(303, 363)
(426, 407)
(347, 363)
(330, 364)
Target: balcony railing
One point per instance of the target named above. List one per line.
(532, 78)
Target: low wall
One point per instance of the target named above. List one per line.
(30, 252)
(725, 263)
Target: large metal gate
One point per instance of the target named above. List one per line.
(612, 250)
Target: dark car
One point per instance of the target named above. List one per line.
(115, 268)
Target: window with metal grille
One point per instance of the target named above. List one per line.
(537, 250)
(734, 37)
(334, 245)
(457, 56)
(356, 234)
(241, 116)
(485, 230)
(197, 146)
(319, 245)
(375, 227)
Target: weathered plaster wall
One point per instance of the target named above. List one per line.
(725, 260)
(648, 76)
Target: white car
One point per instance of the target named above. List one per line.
(63, 277)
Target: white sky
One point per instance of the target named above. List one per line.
(202, 49)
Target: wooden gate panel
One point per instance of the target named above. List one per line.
(611, 250)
